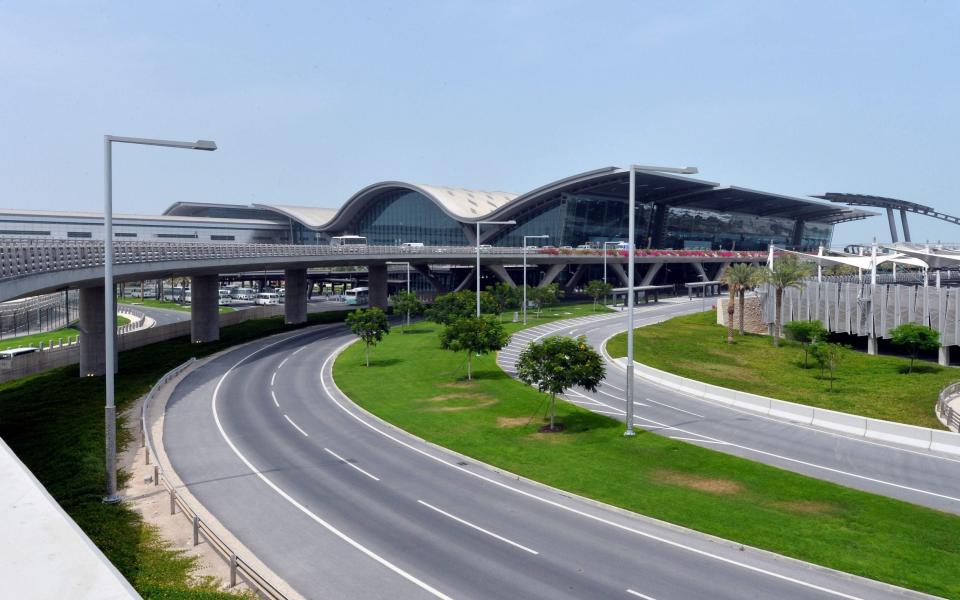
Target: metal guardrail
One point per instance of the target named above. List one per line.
(945, 411)
(135, 324)
(238, 566)
(21, 257)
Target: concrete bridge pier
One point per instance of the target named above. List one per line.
(943, 356)
(295, 300)
(377, 283)
(93, 330)
(872, 345)
(204, 308)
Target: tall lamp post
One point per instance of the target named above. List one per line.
(479, 223)
(631, 210)
(109, 311)
(525, 238)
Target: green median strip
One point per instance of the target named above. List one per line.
(414, 384)
(35, 339)
(153, 303)
(54, 423)
(695, 346)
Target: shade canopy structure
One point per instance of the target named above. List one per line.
(933, 259)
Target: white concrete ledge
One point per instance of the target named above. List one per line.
(878, 429)
(43, 553)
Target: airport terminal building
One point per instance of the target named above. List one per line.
(673, 212)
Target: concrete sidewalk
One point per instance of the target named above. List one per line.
(43, 553)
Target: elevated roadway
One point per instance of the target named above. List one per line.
(343, 505)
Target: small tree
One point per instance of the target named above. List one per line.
(787, 272)
(451, 307)
(556, 364)
(370, 325)
(547, 295)
(503, 296)
(406, 303)
(597, 289)
(828, 356)
(915, 337)
(474, 336)
(806, 332)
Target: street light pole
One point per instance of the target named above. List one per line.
(109, 311)
(478, 254)
(525, 238)
(632, 195)
(631, 204)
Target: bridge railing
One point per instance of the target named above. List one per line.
(949, 416)
(21, 257)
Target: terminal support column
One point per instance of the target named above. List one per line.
(377, 282)
(295, 298)
(92, 332)
(204, 308)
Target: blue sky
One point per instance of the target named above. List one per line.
(310, 102)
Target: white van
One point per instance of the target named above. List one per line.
(412, 244)
(267, 298)
(241, 293)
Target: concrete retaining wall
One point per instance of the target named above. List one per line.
(38, 362)
(877, 429)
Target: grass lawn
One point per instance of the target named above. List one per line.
(417, 386)
(153, 303)
(36, 338)
(54, 423)
(695, 346)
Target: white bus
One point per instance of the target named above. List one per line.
(355, 296)
(348, 240)
(13, 352)
(267, 298)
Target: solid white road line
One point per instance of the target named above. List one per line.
(478, 528)
(639, 595)
(570, 509)
(675, 408)
(295, 425)
(213, 406)
(686, 439)
(350, 464)
(274, 396)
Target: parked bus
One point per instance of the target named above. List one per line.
(348, 240)
(355, 296)
(13, 352)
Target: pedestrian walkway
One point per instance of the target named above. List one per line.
(43, 553)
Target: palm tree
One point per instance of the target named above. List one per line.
(738, 277)
(787, 272)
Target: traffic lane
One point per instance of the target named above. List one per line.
(163, 316)
(913, 475)
(461, 495)
(293, 544)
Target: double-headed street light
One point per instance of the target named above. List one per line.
(109, 310)
(631, 211)
(525, 238)
(479, 223)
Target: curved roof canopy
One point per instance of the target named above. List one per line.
(468, 206)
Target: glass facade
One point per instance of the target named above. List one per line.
(571, 220)
(406, 216)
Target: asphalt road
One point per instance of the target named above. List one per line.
(343, 506)
(922, 477)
